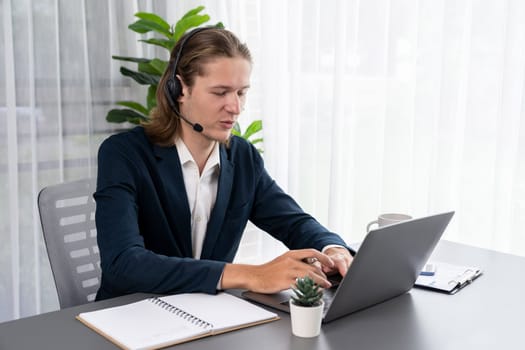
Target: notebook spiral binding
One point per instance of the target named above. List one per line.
(181, 313)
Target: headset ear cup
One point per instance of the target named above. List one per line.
(170, 93)
(173, 88)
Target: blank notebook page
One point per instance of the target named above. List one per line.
(223, 311)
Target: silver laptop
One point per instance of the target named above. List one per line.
(386, 265)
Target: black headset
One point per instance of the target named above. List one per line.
(173, 87)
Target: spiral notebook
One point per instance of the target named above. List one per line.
(158, 322)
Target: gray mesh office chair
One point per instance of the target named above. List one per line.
(67, 214)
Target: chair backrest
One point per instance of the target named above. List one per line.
(67, 214)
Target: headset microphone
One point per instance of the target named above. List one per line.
(196, 126)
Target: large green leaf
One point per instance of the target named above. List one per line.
(193, 12)
(187, 23)
(139, 77)
(253, 128)
(131, 59)
(236, 129)
(134, 105)
(154, 67)
(254, 141)
(147, 68)
(125, 115)
(143, 26)
(165, 43)
(153, 18)
(159, 65)
(151, 99)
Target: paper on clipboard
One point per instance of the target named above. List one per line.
(449, 278)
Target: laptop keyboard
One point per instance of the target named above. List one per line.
(335, 280)
(328, 297)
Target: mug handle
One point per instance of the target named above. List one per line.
(370, 224)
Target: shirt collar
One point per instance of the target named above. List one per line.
(183, 151)
(215, 158)
(185, 156)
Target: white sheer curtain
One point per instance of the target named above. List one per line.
(57, 82)
(395, 106)
(412, 106)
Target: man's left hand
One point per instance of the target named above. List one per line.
(341, 258)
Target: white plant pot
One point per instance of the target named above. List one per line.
(306, 321)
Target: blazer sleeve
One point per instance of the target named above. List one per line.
(127, 266)
(277, 213)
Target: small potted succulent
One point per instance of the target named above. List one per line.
(306, 308)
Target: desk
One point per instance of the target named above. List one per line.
(485, 315)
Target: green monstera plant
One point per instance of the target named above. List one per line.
(150, 70)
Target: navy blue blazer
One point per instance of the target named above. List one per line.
(143, 216)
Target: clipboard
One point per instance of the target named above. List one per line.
(449, 278)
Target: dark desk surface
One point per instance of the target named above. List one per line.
(485, 315)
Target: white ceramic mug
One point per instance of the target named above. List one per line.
(388, 219)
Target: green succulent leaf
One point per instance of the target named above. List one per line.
(125, 115)
(307, 293)
(140, 77)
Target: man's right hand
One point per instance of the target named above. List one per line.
(278, 274)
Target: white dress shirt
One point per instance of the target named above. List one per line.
(201, 190)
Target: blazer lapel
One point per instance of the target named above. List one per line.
(221, 203)
(175, 200)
